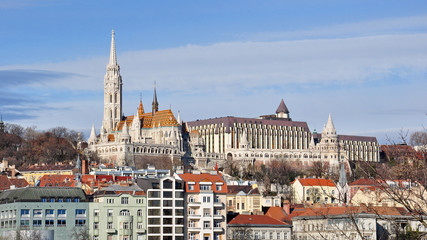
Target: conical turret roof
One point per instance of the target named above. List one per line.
(329, 127)
(282, 108)
(113, 58)
(92, 136)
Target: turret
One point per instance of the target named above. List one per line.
(282, 111)
(92, 137)
(155, 104)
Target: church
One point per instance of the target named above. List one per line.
(123, 138)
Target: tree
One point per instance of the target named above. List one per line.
(240, 233)
(80, 233)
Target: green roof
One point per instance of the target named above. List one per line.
(35, 194)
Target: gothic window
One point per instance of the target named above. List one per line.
(111, 98)
(115, 97)
(111, 113)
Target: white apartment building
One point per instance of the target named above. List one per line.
(205, 203)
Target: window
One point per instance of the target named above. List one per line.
(140, 225)
(217, 199)
(167, 203)
(179, 203)
(76, 199)
(37, 213)
(80, 212)
(192, 236)
(25, 223)
(80, 222)
(230, 202)
(62, 213)
(110, 225)
(167, 221)
(96, 212)
(206, 224)
(44, 199)
(125, 200)
(167, 194)
(205, 187)
(167, 184)
(68, 199)
(49, 222)
(60, 200)
(153, 212)
(153, 221)
(206, 199)
(191, 199)
(167, 212)
(243, 206)
(154, 203)
(179, 194)
(154, 194)
(61, 223)
(218, 187)
(139, 201)
(125, 225)
(206, 212)
(110, 212)
(139, 213)
(179, 212)
(124, 212)
(51, 199)
(37, 223)
(49, 213)
(25, 212)
(190, 187)
(179, 221)
(110, 200)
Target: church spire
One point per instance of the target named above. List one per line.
(140, 108)
(113, 58)
(92, 137)
(329, 127)
(155, 104)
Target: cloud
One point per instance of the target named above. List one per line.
(364, 81)
(17, 77)
(402, 25)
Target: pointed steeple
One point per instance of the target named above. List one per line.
(179, 118)
(140, 108)
(113, 58)
(329, 128)
(92, 137)
(155, 104)
(282, 108)
(312, 144)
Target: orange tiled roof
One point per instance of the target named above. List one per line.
(203, 177)
(276, 213)
(316, 182)
(6, 183)
(365, 182)
(111, 138)
(57, 181)
(244, 219)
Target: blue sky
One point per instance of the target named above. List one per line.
(365, 62)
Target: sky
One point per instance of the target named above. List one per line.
(363, 62)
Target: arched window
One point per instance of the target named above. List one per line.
(111, 98)
(124, 212)
(139, 213)
(115, 97)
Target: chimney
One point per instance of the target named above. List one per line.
(287, 207)
(85, 168)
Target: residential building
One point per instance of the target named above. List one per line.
(362, 183)
(258, 227)
(313, 190)
(123, 139)
(118, 213)
(357, 223)
(33, 173)
(165, 207)
(205, 195)
(50, 212)
(243, 199)
(271, 201)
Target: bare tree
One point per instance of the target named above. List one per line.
(80, 233)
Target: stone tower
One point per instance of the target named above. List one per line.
(330, 146)
(112, 91)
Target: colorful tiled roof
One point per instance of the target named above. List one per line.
(243, 219)
(164, 118)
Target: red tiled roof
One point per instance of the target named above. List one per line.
(6, 183)
(365, 182)
(57, 181)
(203, 177)
(316, 182)
(276, 213)
(243, 219)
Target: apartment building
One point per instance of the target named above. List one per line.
(118, 213)
(205, 195)
(165, 207)
(43, 213)
(244, 199)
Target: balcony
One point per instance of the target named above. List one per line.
(125, 232)
(218, 204)
(194, 229)
(193, 204)
(142, 230)
(111, 231)
(218, 216)
(193, 216)
(218, 229)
